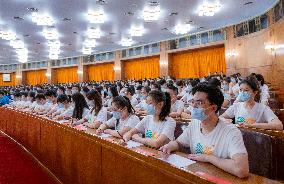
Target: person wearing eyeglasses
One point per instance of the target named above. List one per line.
(123, 118)
(157, 126)
(209, 138)
(248, 112)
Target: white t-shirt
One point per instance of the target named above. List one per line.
(177, 105)
(134, 101)
(258, 114)
(101, 116)
(224, 141)
(235, 89)
(142, 105)
(131, 122)
(153, 129)
(187, 97)
(264, 94)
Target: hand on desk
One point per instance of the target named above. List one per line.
(200, 157)
(136, 138)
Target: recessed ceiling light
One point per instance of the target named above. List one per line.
(182, 29)
(18, 18)
(247, 3)
(96, 16)
(32, 9)
(42, 19)
(151, 13)
(74, 32)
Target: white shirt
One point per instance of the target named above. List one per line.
(177, 105)
(258, 114)
(224, 141)
(264, 94)
(154, 129)
(187, 97)
(101, 116)
(235, 89)
(134, 101)
(131, 122)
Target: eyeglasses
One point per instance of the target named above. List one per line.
(197, 103)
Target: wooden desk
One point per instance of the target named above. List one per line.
(81, 157)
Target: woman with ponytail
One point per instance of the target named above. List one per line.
(158, 127)
(123, 118)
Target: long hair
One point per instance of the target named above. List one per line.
(96, 97)
(80, 104)
(159, 96)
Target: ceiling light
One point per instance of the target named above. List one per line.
(53, 56)
(126, 42)
(151, 13)
(182, 28)
(17, 44)
(7, 35)
(96, 16)
(42, 20)
(90, 43)
(136, 31)
(54, 44)
(50, 34)
(209, 9)
(87, 50)
(94, 33)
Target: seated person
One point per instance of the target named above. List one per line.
(123, 118)
(264, 90)
(234, 87)
(188, 95)
(176, 105)
(51, 99)
(158, 127)
(141, 108)
(129, 92)
(30, 101)
(41, 104)
(210, 139)
(64, 110)
(97, 114)
(3, 99)
(225, 90)
(250, 113)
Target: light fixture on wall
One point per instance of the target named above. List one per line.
(163, 63)
(48, 74)
(117, 68)
(42, 19)
(209, 9)
(272, 47)
(18, 76)
(80, 72)
(232, 53)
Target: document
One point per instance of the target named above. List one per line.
(133, 144)
(178, 161)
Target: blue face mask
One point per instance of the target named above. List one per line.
(188, 89)
(244, 96)
(116, 115)
(233, 80)
(226, 87)
(109, 94)
(198, 113)
(151, 110)
(60, 105)
(142, 97)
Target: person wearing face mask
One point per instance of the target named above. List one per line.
(41, 103)
(30, 101)
(112, 93)
(60, 90)
(123, 118)
(248, 112)
(51, 99)
(225, 90)
(264, 90)
(138, 94)
(177, 106)
(64, 108)
(141, 108)
(129, 92)
(75, 89)
(158, 127)
(97, 114)
(209, 138)
(234, 87)
(3, 99)
(188, 95)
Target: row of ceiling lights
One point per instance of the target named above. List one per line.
(151, 13)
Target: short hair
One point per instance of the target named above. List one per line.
(175, 89)
(50, 93)
(214, 82)
(62, 98)
(40, 96)
(214, 94)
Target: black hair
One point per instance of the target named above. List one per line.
(147, 89)
(159, 96)
(175, 89)
(260, 78)
(40, 96)
(32, 95)
(214, 82)
(62, 88)
(214, 94)
(123, 101)
(253, 84)
(50, 93)
(17, 94)
(139, 87)
(80, 104)
(131, 90)
(62, 98)
(113, 91)
(2, 93)
(228, 80)
(25, 94)
(157, 86)
(77, 86)
(194, 82)
(96, 97)
(85, 89)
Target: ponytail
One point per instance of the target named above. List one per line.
(159, 96)
(123, 101)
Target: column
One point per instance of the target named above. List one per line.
(164, 60)
(80, 71)
(19, 74)
(48, 73)
(118, 72)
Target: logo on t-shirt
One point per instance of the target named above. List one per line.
(204, 149)
(243, 120)
(151, 135)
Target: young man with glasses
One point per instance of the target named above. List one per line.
(210, 139)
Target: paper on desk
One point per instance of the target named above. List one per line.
(178, 161)
(62, 121)
(133, 144)
(103, 135)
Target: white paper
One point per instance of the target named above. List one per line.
(103, 135)
(178, 161)
(133, 144)
(62, 121)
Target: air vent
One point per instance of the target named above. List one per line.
(74, 32)
(27, 35)
(18, 18)
(38, 43)
(32, 9)
(174, 14)
(67, 19)
(101, 2)
(248, 3)
(69, 44)
(128, 13)
(154, 3)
